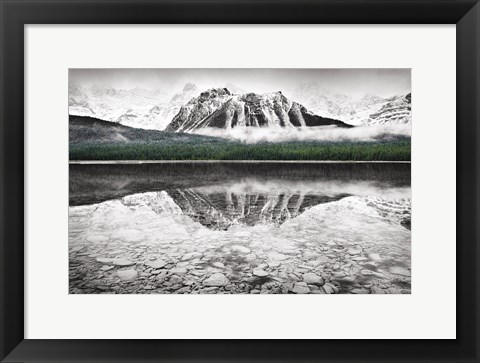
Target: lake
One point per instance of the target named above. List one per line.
(240, 228)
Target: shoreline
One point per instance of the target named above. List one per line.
(106, 162)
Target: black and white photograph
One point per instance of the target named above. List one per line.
(239, 181)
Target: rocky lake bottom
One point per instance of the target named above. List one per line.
(230, 229)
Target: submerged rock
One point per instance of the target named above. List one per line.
(183, 290)
(178, 270)
(359, 291)
(105, 261)
(301, 288)
(127, 275)
(367, 272)
(354, 251)
(375, 257)
(191, 256)
(260, 273)
(97, 239)
(175, 279)
(313, 279)
(123, 263)
(217, 279)
(397, 270)
(240, 249)
(330, 288)
(156, 264)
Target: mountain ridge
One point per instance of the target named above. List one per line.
(88, 130)
(187, 110)
(220, 108)
(137, 107)
(396, 110)
(345, 108)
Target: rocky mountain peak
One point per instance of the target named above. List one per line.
(213, 93)
(219, 108)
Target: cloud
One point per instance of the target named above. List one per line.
(253, 135)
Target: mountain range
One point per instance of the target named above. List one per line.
(366, 111)
(225, 108)
(140, 108)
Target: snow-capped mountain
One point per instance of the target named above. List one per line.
(226, 108)
(188, 92)
(117, 105)
(159, 116)
(397, 110)
(320, 100)
(78, 101)
(198, 108)
(347, 109)
(140, 108)
(219, 108)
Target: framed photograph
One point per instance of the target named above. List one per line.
(240, 181)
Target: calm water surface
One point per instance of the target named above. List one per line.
(240, 228)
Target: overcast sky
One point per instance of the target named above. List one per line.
(354, 82)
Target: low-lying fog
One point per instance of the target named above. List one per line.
(322, 187)
(321, 133)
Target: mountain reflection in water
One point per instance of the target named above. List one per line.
(248, 203)
(240, 228)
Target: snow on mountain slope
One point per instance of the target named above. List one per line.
(198, 108)
(397, 110)
(140, 108)
(159, 202)
(219, 108)
(189, 110)
(162, 114)
(78, 101)
(347, 109)
(320, 100)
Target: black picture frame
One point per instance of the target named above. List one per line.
(15, 14)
